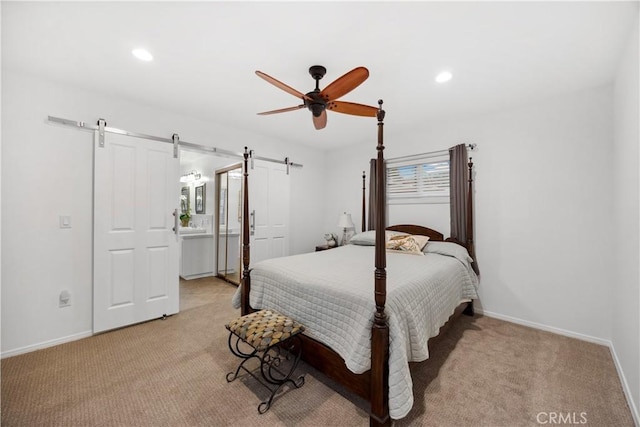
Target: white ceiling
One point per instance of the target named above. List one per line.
(500, 53)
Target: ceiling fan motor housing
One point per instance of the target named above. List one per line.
(317, 105)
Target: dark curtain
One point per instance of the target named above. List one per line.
(372, 195)
(459, 186)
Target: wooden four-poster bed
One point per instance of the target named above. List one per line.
(371, 384)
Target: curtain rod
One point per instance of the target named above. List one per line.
(203, 148)
(425, 155)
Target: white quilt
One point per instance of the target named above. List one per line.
(332, 294)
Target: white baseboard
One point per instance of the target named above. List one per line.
(542, 327)
(583, 337)
(199, 276)
(625, 386)
(45, 344)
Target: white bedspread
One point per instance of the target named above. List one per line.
(331, 294)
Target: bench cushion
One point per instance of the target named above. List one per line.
(265, 328)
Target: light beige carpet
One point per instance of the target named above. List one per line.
(483, 372)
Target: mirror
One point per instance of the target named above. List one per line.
(200, 199)
(184, 199)
(228, 194)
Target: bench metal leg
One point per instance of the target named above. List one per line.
(242, 355)
(274, 373)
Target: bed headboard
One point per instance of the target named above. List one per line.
(419, 230)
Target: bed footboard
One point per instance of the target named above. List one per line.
(333, 366)
(468, 311)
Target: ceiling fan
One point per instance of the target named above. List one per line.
(319, 101)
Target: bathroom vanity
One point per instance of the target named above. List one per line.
(197, 253)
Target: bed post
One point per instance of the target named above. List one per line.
(469, 310)
(246, 278)
(470, 246)
(364, 228)
(469, 241)
(379, 415)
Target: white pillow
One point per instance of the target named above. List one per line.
(448, 249)
(368, 238)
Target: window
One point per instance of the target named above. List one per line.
(424, 180)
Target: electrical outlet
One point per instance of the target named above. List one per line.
(65, 299)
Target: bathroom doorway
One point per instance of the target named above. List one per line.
(229, 222)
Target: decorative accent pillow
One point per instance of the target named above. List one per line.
(421, 240)
(408, 244)
(368, 238)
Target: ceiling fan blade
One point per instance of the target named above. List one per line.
(321, 121)
(352, 108)
(282, 86)
(282, 110)
(345, 84)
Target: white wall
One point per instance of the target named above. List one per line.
(625, 331)
(47, 172)
(542, 205)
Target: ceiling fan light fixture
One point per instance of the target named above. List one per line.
(444, 77)
(317, 109)
(142, 54)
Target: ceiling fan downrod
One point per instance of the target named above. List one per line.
(317, 72)
(318, 104)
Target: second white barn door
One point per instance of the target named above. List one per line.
(269, 198)
(135, 248)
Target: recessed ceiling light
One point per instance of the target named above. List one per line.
(444, 76)
(142, 54)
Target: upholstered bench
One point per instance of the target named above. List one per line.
(272, 339)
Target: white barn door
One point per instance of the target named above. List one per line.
(135, 272)
(269, 198)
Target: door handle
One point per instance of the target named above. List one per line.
(252, 224)
(175, 221)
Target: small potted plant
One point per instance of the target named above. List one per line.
(185, 217)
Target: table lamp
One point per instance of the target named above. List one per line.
(345, 223)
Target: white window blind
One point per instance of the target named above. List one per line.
(423, 180)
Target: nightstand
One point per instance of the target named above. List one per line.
(324, 248)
